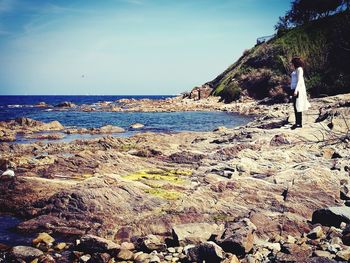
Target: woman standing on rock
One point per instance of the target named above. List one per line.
(298, 90)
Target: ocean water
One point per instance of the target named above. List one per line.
(12, 107)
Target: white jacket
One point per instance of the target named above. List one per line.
(298, 85)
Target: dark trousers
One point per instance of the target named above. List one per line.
(298, 115)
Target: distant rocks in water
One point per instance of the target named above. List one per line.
(136, 125)
(45, 136)
(111, 129)
(8, 173)
(42, 104)
(65, 104)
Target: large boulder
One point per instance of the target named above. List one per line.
(238, 237)
(331, 216)
(195, 233)
(92, 244)
(66, 104)
(208, 252)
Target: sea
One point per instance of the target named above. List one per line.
(12, 107)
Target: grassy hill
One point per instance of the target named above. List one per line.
(263, 71)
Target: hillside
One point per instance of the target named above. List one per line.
(263, 71)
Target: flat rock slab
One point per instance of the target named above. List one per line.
(26, 253)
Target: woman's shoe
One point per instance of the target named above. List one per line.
(296, 126)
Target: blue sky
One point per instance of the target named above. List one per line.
(124, 47)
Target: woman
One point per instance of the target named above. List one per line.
(298, 90)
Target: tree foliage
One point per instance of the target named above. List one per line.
(303, 11)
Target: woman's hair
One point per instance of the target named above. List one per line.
(297, 62)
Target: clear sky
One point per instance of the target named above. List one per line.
(119, 47)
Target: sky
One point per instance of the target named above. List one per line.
(125, 47)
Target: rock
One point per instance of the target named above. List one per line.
(136, 125)
(100, 258)
(324, 254)
(315, 233)
(294, 253)
(60, 246)
(238, 237)
(331, 216)
(151, 243)
(52, 126)
(344, 192)
(154, 259)
(320, 260)
(279, 139)
(65, 104)
(231, 259)
(195, 233)
(344, 254)
(127, 245)
(26, 253)
(346, 236)
(142, 258)
(42, 104)
(85, 258)
(8, 173)
(111, 129)
(125, 254)
(208, 251)
(43, 238)
(91, 243)
(171, 250)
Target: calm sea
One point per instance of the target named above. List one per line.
(24, 106)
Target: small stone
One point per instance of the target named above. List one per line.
(85, 258)
(290, 240)
(127, 245)
(315, 233)
(321, 253)
(125, 254)
(154, 259)
(179, 249)
(8, 173)
(142, 258)
(43, 238)
(60, 246)
(26, 253)
(168, 258)
(344, 254)
(342, 225)
(231, 259)
(171, 250)
(91, 243)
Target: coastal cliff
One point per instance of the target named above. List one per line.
(263, 71)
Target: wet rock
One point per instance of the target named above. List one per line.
(315, 233)
(91, 243)
(195, 233)
(26, 253)
(238, 237)
(331, 216)
(42, 104)
(208, 251)
(45, 136)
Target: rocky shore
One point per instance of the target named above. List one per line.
(258, 193)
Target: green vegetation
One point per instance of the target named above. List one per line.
(263, 71)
